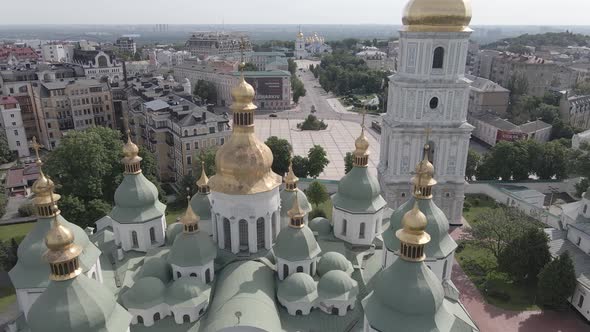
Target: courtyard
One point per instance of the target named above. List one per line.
(337, 140)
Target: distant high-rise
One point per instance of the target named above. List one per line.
(206, 43)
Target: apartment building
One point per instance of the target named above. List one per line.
(485, 95)
(575, 109)
(164, 119)
(11, 122)
(203, 44)
(57, 52)
(74, 104)
(126, 45)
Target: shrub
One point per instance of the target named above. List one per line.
(476, 202)
(26, 210)
(460, 247)
(312, 123)
(316, 213)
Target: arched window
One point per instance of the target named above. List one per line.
(344, 222)
(102, 61)
(208, 276)
(585, 208)
(139, 319)
(186, 133)
(433, 103)
(335, 311)
(298, 312)
(186, 318)
(300, 269)
(178, 274)
(153, 235)
(193, 275)
(285, 271)
(260, 230)
(134, 241)
(227, 233)
(243, 228)
(439, 58)
(362, 231)
(156, 316)
(201, 311)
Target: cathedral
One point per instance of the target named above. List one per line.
(310, 46)
(244, 256)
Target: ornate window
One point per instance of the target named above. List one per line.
(439, 57)
(362, 231)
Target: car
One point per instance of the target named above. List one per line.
(273, 115)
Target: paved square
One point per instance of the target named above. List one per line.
(337, 140)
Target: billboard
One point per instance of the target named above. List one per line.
(267, 88)
(510, 136)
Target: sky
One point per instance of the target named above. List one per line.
(485, 12)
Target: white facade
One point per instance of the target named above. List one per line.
(57, 53)
(357, 229)
(286, 268)
(443, 267)
(12, 123)
(246, 223)
(105, 67)
(141, 236)
(205, 273)
(428, 91)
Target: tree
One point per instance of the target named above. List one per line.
(473, 161)
(518, 84)
(298, 88)
(186, 187)
(5, 154)
(292, 65)
(249, 66)
(348, 162)
(557, 282)
(506, 160)
(317, 193)
(8, 254)
(312, 123)
(496, 228)
(525, 256)
(206, 91)
(553, 161)
(317, 161)
(300, 165)
(207, 156)
(281, 152)
(582, 186)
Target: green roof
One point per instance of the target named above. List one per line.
(441, 243)
(187, 292)
(337, 284)
(193, 249)
(136, 201)
(156, 267)
(79, 304)
(334, 261)
(320, 225)
(287, 198)
(296, 244)
(298, 287)
(359, 192)
(409, 295)
(146, 293)
(172, 232)
(201, 206)
(247, 287)
(31, 270)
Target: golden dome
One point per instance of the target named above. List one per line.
(130, 149)
(296, 213)
(300, 35)
(43, 185)
(414, 223)
(203, 181)
(290, 178)
(243, 163)
(361, 144)
(425, 166)
(189, 217)
(59, 237)
(437, 15)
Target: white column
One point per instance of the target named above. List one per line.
(235, 236)
(252, 235)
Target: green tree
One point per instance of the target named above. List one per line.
(348, 162)
(186, 187)
(557, 282)
(496, 228)
(281, 152)
(300, 165)
(473, 161)
(249, 66)
(292, 65)
(506, 160)
(317, 161)
(298, 88)
(317, 193)
(518, 84)
(206, 91)
(582, 186)
(525, 256)
(553, 161)
(207, 156)
(5, 154)
(312, 122)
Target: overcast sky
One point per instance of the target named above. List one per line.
(489, 12)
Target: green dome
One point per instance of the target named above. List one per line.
(136, 200)
(334, 261)
(298, 286)
(201, 206)
(358, 191)
(31, 270)
(146, 293)
(296, 244)
(287, 198)
(320, 225)
(158, 268)
(337, 284)
(410, 295)
(194, 249)
(78, 304)
(441, 243)
(172, 232)
(185, 289)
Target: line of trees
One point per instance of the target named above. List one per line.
(343, 73)
(311, 165)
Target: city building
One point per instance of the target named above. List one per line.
(575, 109)
(57, 52)
(487, 96)
(273, 87)
(482, 66)
(167, 58)
(374, 58)
(126, 45)
(11, 121)
(99, 65)
(428, 93)
(12, 55)
(537, 130)
(578, 139)
(574, 238)
(248, 273)
(20, 179)
(203, 44)
(163, 119)
(73, 104)
(492, 129)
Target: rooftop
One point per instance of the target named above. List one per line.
(559, 244)
(485, 85)
(534, 126)
(7, 100)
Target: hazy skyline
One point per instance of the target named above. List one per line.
(498, 12)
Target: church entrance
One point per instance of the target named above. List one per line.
(243, 230)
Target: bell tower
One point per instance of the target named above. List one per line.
(429, 92)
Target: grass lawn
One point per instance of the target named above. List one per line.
(481, 267)
(17, 231)
(326, 207)
(173, 212)
(7, 297)
(477, 204)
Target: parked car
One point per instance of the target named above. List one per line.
(272, 115)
